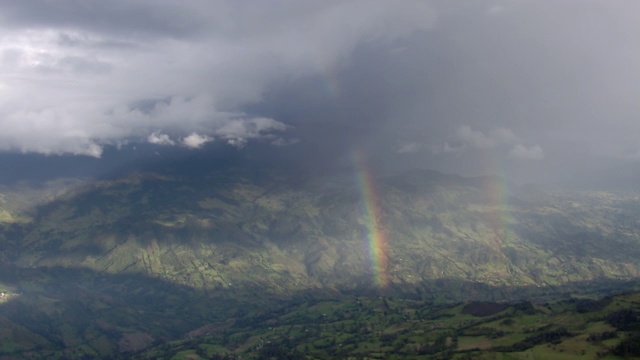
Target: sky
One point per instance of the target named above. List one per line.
(538, 91)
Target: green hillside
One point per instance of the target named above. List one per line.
(116, 266)
(290, 234)
(399, 328)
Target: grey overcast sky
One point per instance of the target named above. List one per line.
(537, 90)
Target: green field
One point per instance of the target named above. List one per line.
(397, 328)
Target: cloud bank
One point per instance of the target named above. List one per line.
(75, 78)
(542, 89)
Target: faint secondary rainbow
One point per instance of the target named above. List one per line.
(376, 239)
(497, 191)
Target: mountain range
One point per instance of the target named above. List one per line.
(113, 266)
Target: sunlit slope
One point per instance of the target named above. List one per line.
(228, 230)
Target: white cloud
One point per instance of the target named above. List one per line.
(195, 141)
(466, 138)
(447, 148)
(158, 138)
(238, 131)
(474, 138)
(504, 136)
(249, 128)
(530, 153)
(73, 78)
(237, 142)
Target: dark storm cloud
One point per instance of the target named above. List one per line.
(539, 90)
(535, 87)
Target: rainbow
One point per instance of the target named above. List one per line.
(376, 239)
(497, 190)
(500, 217)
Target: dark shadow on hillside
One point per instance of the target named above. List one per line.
(77, 310)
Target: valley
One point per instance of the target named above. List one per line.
(114, 267)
